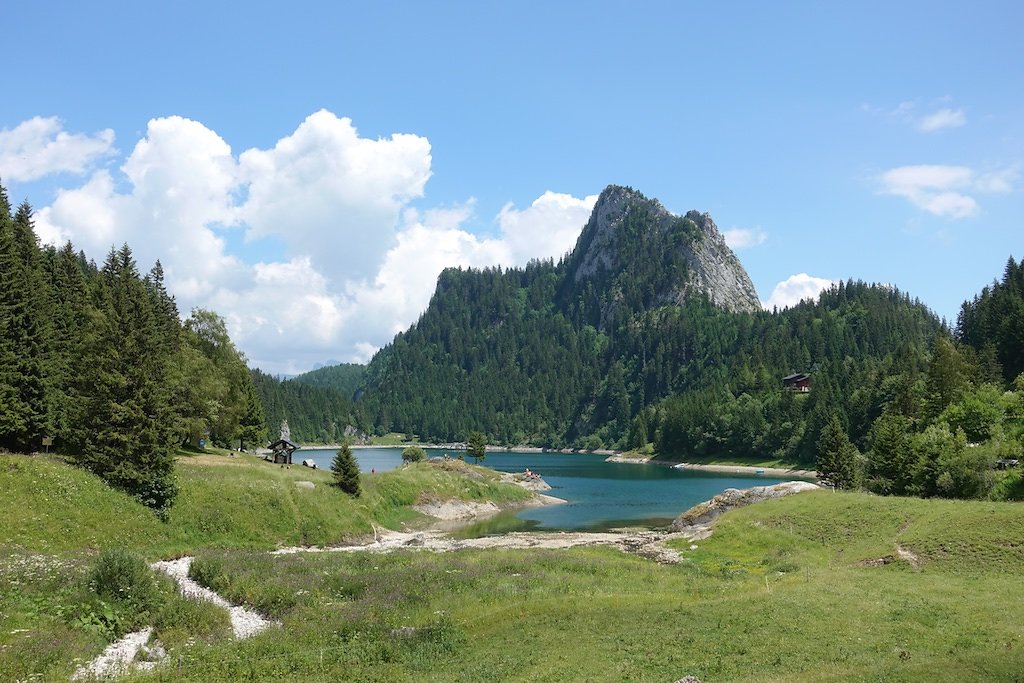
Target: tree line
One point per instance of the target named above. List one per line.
(95, 362)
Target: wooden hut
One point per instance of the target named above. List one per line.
(798, 381)
(281, 452)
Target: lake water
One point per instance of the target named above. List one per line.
(602, 495)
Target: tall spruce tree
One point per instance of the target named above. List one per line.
(837, 461)
(68, 304)
(12, 411)
(346, 471)
(24, 314)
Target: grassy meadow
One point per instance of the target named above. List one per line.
(807, 588)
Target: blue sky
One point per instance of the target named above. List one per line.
(306, 169)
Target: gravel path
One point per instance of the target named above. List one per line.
(116, 659)
(244, 622)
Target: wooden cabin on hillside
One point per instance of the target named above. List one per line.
(281, 452)
(798, 381)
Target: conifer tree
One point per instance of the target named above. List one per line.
(837, 458)
(12, 410)
(346, 471)
(253, 426)
(68, 304)
(23, 317)
(477, 447)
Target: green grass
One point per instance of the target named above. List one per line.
(787, 590)
(780, 592)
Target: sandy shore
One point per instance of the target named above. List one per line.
(724, 469)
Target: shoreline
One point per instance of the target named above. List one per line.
(460, 447)
(722, 469)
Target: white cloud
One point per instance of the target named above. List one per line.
(549, 227)
(332, 195)
(795, 289)
(943, 118)
(742, 238)
(40, 146)
(943, 190)
(922, 116)
(359, 265)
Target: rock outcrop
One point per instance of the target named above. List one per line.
(702, 514)
(710, 267)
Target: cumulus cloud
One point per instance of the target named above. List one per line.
(180, 178)
(943, 118)
(944, 190)
(795, 289)
(41, 146)
(742, 238)
(359, 263)
(330, 194)
(547, 228)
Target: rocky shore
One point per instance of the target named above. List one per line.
(724, 469)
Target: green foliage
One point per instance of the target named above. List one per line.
(977, 413)
(344, 379)
(25, 336)
(98, 360)
(838, 460)
(124, 594)
(993, 322)
(120, 575)
(476, 446)
(891, 458)
(413, 454)
(946, 467)
(124, 425)
(557, 363)
(346, 471)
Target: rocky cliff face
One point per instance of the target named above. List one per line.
(626, 226)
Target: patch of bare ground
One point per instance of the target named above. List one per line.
(901, 554)
(649, 544)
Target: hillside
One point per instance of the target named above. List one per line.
(345, 378)
(648, 306)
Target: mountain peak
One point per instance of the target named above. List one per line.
(627, 232)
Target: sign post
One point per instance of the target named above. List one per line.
(47, 442)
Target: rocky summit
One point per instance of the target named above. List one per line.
(626, 226)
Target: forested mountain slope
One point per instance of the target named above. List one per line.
(647, 306)
(345, 378)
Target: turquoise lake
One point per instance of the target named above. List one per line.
(601, 495)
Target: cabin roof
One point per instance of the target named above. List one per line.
(283, 443)
(796, 377)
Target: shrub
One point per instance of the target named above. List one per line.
(413, 454)
(122, 594)
(124, 577)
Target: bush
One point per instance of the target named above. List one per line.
(122, 576)
(122, 594)
(413, 454)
